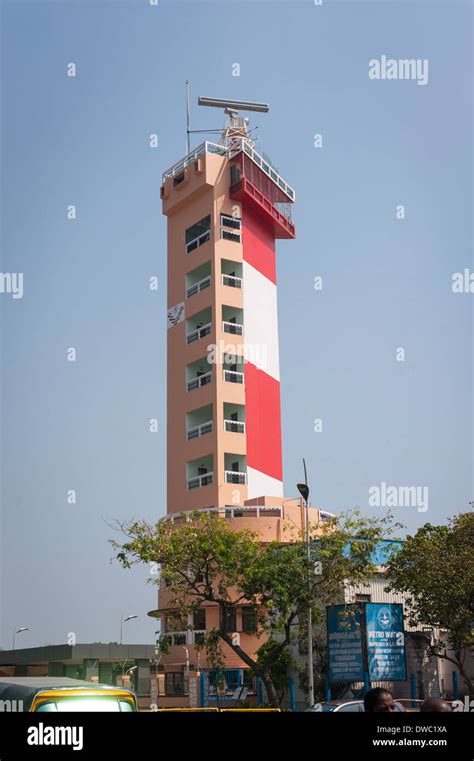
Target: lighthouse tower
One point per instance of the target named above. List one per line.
(226, 205)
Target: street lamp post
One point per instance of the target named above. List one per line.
(131, 671)
(18, 631)
(186, 677)
(304, 491)
(124, 620)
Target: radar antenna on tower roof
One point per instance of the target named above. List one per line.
(236, 126)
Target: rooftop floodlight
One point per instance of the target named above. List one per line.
(233, 106)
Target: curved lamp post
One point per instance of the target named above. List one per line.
(122, 622)
(18, 631)
(304, 491)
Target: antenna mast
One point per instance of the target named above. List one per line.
(188, 147)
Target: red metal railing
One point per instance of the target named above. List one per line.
(246, 188)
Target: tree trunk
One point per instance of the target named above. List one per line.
(467, 680)
(258, 671)
(272, 695)
(456, 661)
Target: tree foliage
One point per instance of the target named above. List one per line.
(202, 560)
(435, 569)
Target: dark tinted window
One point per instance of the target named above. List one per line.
(198, 229)
(229, 619)
(248, 619)
(200, 619)
(234, 174)
(174, 683)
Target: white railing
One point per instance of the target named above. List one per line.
(233, 377)
(234, 426)
(201, 332)
(325, 516)
(198, 241)
(265, 167)
(240, 511)
(235, 477)
(201, 380)
(199, 430)
(233, 327)
(190, 637)
(197, 481)
(231, 235)
(237, 145)
(235, 223)
(176, 638)
(198, 287)
(190, 157)
(232, 281)
(244, 511)
(254, 512)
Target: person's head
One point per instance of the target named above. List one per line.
(436, 705)
(379, 700)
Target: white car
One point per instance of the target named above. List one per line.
(346, 706)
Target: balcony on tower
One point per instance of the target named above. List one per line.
(253, 180)
(233, 368)
(233, 320)
(231, 273)
(234, 418)
(198, 374)
(199, 472)
(198, 326)
(235, 468)
(199, 422)
(198, 280)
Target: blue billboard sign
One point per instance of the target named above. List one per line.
(345, 653)
(366, 639)
(385, 642)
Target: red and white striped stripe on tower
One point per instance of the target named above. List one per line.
(262, 366)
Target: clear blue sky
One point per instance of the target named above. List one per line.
(386, 283)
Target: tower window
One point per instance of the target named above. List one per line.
(228, 221)
(234, 174)
(228, 235)
(198, 234)
(234, 223)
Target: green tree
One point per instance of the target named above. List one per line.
(279, 665)
(435, 570)
(202, 560)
